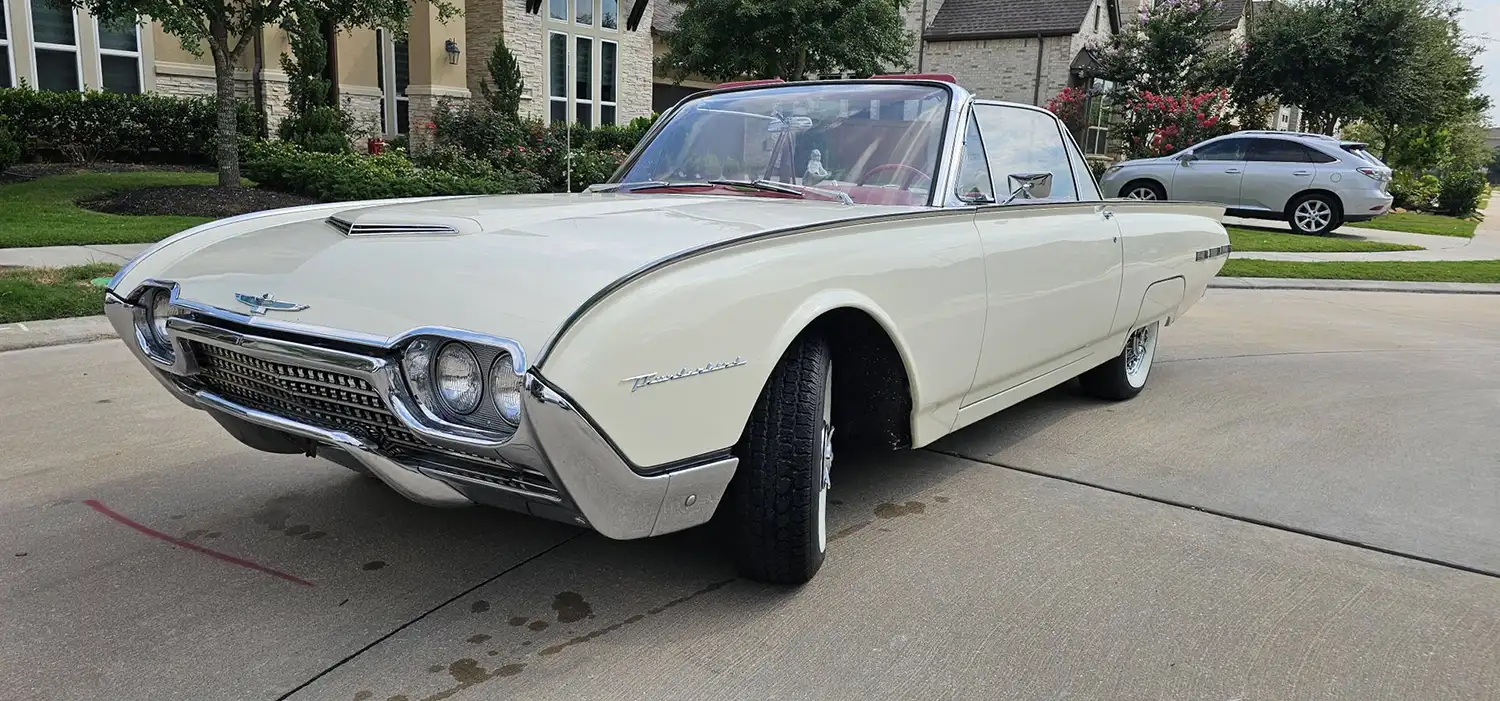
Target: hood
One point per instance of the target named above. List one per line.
(514, 266)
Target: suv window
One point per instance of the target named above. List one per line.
(1277, 151)
(1362, 152)
(1019, 141)
(1226, 150)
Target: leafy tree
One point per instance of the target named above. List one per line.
(228, 26)
(730, 39)
(505, 97)
(1394, 63)
(314, 122)
(1176, 48)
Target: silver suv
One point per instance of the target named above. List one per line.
(1313, 181)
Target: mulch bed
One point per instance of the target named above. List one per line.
(192, 201)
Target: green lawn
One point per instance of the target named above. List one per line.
(1260, 240)
(28, 294)
(41, 212)
(1419, 223)
(1413, 271)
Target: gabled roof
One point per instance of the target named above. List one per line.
(664, 16)
(1006, 19)
(1230, 14)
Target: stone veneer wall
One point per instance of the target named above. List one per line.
(364, 105)
(1005, 69)
(189, 80)
(526, 37)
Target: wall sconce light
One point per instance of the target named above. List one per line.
(452, 48)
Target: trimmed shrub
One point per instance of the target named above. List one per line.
(476, 130)
(319, 129)
(82, 127)
(10, 151)
(338, 177)
(1461, 193)
(1412, 191)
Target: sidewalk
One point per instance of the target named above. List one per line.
(62, 256)
(1484, 246)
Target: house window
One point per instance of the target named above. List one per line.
(55, 47)
(7, 66)
(119, 56)
(393, 62)
(583, 61)
(1099, 113)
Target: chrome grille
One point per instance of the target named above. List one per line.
(341, 402)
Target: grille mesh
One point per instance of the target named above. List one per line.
(340, 402)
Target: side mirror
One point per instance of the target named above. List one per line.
(1029, 186)
(1187, 158)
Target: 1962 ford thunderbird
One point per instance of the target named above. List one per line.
(778, 273)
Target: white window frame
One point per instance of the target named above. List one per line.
(597, 34)
(598, 120)
(140, 70)
(43, 46)
(390, 100)
(8, 42)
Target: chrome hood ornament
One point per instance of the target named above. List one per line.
(265, 303)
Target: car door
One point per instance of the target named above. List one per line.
(1276, 170)
(1210, 173)
(1053, 266)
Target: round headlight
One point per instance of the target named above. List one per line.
(505, 389)
(161, 310)
(459, 380)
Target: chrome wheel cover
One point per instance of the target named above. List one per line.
(1312, 215)
(1140, 349)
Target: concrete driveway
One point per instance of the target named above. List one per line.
(1304, 504)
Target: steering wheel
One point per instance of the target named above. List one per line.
(911, 174)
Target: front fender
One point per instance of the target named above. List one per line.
(669, 366)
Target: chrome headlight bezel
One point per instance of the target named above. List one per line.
(152, 309)
(497, 367)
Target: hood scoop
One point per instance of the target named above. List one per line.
(379, 222)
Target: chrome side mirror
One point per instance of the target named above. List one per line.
(1030, 186)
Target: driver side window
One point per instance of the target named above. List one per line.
(1021, 141)
(1226, 150)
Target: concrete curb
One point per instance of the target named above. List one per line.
(54, 332)
(1276, 283)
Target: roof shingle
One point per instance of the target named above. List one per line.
(996, 19)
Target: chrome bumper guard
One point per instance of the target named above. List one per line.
(595, 486)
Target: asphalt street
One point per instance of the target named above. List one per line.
(1304, 504)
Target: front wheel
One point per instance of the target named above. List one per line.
(1314, 215)
(1124, 376)
(779, 495)
(1143, 190)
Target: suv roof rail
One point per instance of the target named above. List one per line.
(1274, 132)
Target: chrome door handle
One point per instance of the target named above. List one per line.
(1232, 170)
(1108, 214)
(1303, 172)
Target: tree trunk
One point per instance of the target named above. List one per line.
(229, 153)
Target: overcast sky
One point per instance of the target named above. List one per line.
(1482, 21)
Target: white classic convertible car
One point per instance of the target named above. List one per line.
(778, 272)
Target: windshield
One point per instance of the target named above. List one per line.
(876, 143)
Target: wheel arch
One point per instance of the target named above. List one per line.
(1330, 194)
(873, 389)
(1146, 179)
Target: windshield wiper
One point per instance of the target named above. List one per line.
(764, 185)
(787, 188)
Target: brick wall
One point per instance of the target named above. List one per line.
(1005, 69)
(484, 22)
(526, 39)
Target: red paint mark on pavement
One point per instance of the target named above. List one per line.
(101, 508)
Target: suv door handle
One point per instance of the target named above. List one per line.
(1232, 170)
(1303, 172)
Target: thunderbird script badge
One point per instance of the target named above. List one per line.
(265, 303)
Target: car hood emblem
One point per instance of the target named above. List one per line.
(265, 303)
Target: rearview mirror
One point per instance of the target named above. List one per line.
(1029, 186)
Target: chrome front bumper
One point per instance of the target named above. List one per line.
(596, 487)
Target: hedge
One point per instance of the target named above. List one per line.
(337, 177)
(88, 126)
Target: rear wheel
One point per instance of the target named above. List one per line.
(1314, 214)
(1125, 375)
(779, 495)
(1143, 190)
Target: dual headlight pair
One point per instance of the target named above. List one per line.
(450, 377)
